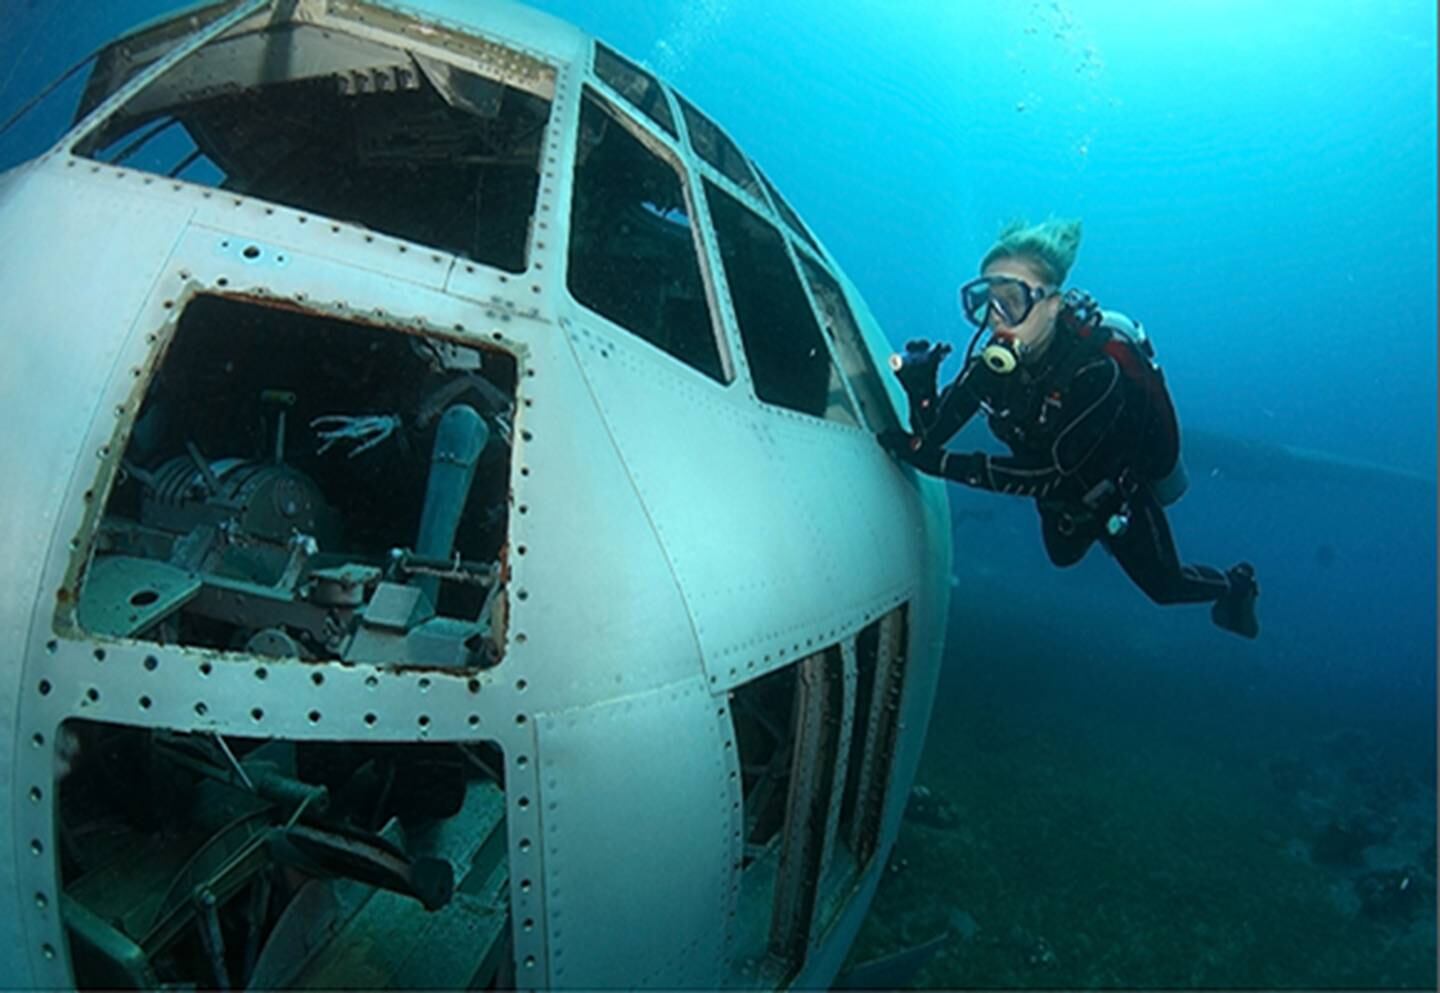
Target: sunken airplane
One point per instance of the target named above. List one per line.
(447, 544)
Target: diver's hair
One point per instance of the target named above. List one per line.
(1051, 246)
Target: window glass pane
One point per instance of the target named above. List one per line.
(789, 216)
(632, 245)
(635, 85)
(711, 145)
(854, 357)
(788, 358)
(348, 128)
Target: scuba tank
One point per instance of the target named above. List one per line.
(1172, 485)
(1125, 341)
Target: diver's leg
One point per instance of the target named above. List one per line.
(1146, 551)
(1065, 542)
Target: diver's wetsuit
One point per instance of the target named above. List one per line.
(1074, 424)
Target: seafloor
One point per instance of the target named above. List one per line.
(1090, 813)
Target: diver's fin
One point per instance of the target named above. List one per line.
(896, 971)
(1235, 611)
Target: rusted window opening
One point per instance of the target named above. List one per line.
(347, 127)
(789, 725)
(819, 716)
(763, 715)
(191, 860)
(300, 486)
(880, 670)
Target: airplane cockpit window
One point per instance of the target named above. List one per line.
(635, 85)
(633, 255)
(711, 144)
(789, 360)
(320, 120)
(787, 215)
(854, 358)
(305, 487)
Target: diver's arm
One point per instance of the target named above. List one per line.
(923, 410)
(1096, 397)
(938, 422)
(1000, 473)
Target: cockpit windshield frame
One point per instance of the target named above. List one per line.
(464, 117)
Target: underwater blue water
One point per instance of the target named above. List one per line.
(1258, 185)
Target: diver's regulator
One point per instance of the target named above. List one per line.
(1000, 356)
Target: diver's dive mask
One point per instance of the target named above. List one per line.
(1011, 300)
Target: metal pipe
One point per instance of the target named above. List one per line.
(459, 439)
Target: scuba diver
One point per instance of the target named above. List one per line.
(1074, 392)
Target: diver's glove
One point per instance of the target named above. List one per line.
(918, 367)
(911, 448)
(971, 468)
